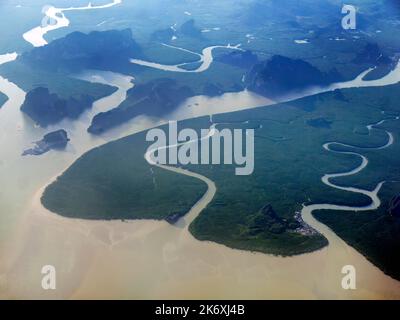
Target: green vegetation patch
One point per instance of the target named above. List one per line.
(255, 212)
(115, 182)
(61, 84)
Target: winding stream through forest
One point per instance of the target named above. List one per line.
(168, 262)
(326, 179)
(55, 19)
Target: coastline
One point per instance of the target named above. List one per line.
(168, 257)
(159, 251)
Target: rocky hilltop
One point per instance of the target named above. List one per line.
(47, 108)
(56, 140)
(168, 34)
(372, 55)
(190, 29)
(267, 220)
(242, 59)
(105, 50)
(282, 75)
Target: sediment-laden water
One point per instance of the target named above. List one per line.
(152, 259)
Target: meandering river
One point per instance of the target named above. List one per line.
(55, 19)
(205, 60)
(326, 179)
(152, 259)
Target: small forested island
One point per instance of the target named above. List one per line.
(56, 140)
(47, 108)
